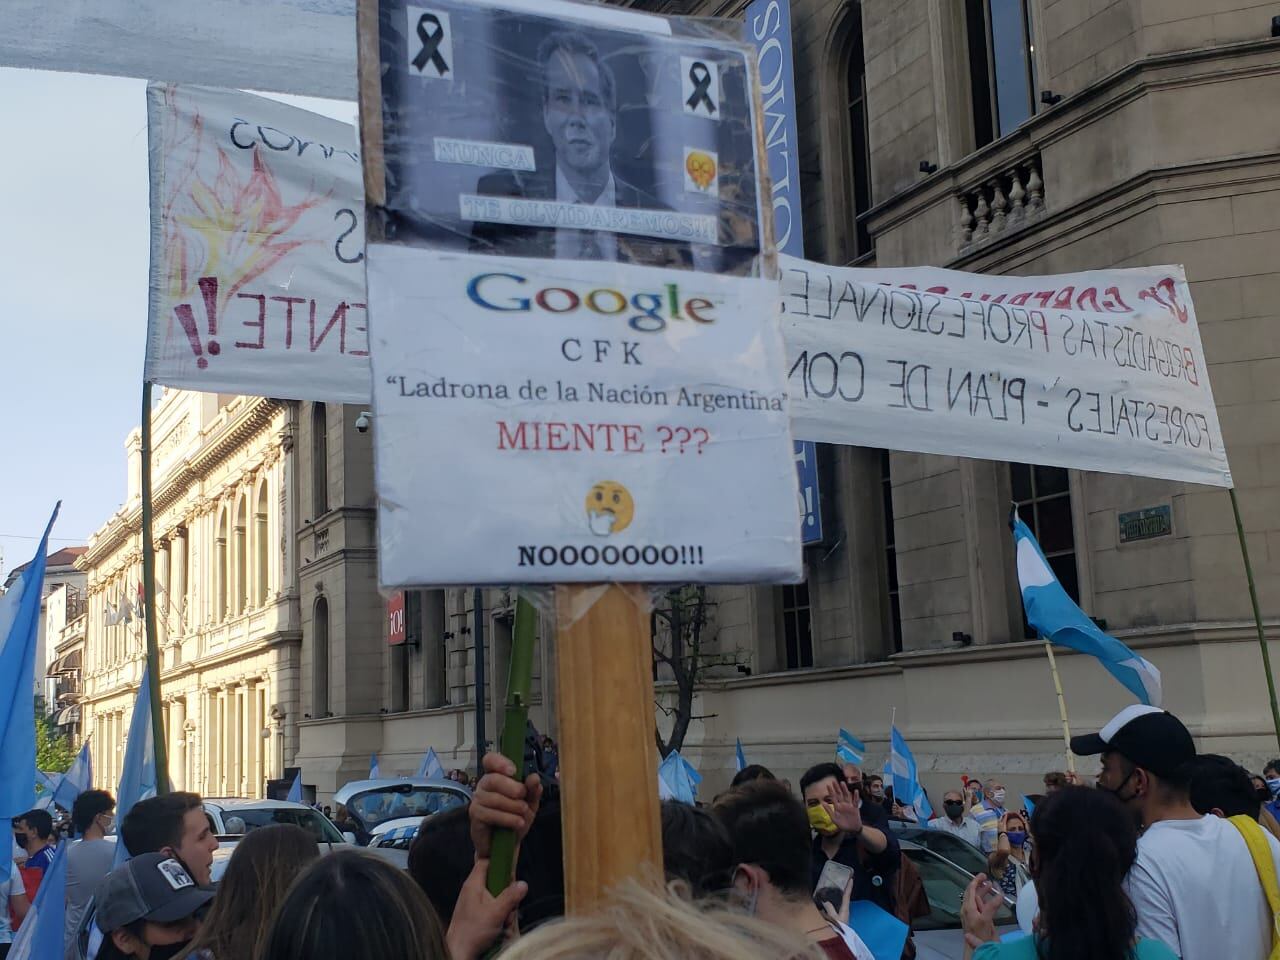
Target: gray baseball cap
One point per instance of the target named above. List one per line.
(152, 886)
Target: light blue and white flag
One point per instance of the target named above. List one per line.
(46, 785)
(295, 789)
(19, 627)
(677, 780)
(374, 773)
(906, 778)
(1057, 619)
(740, 758)
(430, 766)
(138, 774)
(41, 935)
(76, 780)
(849, 749)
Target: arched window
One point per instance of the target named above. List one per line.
(319, 459)
(262, 550)
(320, 657)
(858, 151)
(220, 569)
(239, 582)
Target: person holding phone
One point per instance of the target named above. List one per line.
(852, 832)
(1085, 845)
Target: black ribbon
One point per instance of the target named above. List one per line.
(701, 78)
(430, 44)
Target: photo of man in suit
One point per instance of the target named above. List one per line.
(579, 114)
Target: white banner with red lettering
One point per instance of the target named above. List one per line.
(1095, 371)
(556, 421)
(257, 248)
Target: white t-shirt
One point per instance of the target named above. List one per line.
(1194, 887)
(10, 888)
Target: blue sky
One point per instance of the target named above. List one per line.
(73, 297)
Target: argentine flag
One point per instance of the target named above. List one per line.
(677, 779)
(1058, 620)
(430, 767)
(906, 778)
(138, 778)
(374, 773)
(76, 780)
(740, 758)
(295, 789)
(849, 749)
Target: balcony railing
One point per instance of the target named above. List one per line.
(1003, 201)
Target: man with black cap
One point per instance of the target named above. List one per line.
(147, 908)
(1194, 884)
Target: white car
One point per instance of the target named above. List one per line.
(378, 806)
(233, 817)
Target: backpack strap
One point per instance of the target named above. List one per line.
(1264, 863)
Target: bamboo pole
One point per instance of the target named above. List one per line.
(1257, 613)
(149, 602)
(1062, 706)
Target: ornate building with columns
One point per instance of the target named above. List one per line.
(226, 597)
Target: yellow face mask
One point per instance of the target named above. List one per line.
(821, 820)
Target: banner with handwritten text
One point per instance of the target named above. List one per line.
(1095, 371)
(257, 248)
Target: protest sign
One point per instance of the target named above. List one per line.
(257, 248)
(1093, 371)
(605, 422)
(571, 131)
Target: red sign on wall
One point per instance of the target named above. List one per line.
(395, 618)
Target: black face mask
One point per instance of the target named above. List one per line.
(168, 952)
(953, 809)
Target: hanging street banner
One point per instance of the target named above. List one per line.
(1093, 371)
(607, 422)
(257, 248)
(769, 27)
(306, 47)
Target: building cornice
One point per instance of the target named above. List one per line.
(225, 439)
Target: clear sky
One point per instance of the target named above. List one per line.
(74, 251)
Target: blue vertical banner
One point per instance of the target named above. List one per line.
(769, 24)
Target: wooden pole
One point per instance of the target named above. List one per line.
(608, 758)
(1062, 706)
(1257, 613)
(149, 602)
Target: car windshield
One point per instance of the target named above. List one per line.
(242, 820)
(944, 885)
(402, 800)
(960, 852)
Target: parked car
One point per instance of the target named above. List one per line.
(396, 802)
(233, 817)
(939, 935)
(960, 852)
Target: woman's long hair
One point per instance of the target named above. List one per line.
(350, 905)
(1084, 844)
(259, 873)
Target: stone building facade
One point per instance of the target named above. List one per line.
(1026, 137)
(227, 600)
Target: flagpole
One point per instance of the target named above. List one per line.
(149, 601)
(1062, 705)
(1257, 612)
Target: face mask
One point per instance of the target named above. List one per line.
(169, 951)
(821, 821)
(998, 796)
(108, 824)
(954, 810)
(1017, 837)
(1274, 787)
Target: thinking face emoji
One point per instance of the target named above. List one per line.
(609, 508)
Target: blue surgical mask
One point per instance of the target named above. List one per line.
(1017, 837)
(1274, 786)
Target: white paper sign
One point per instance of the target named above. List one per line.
(257, 248)
(558, 421)
(1094, 371)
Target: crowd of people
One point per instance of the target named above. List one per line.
(1171, 854)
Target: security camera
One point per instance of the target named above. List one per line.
(363, 421)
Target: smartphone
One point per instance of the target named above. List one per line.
(835, 875)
